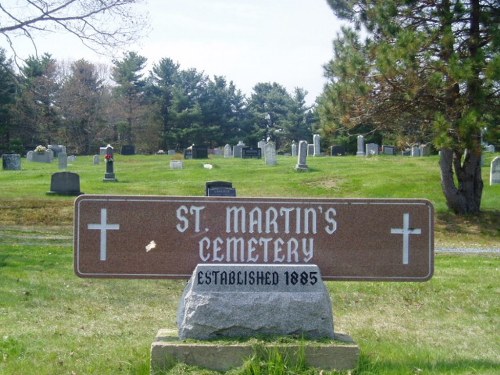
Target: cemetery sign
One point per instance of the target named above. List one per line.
(166, 237)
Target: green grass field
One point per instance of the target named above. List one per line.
(52, 322)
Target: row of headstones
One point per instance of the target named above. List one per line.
(371, 149)
(68, 183)
(13, 161)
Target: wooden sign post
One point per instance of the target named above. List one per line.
(166, 237)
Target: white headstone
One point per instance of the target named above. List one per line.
(238, 150)
(294, 149)
(415, 151)
(361, 146)
(96, 159)
(63, 160)
(495, 171)
(317, 146)
(228, 151)
(302, 157)
(176, 164)
(270, 153)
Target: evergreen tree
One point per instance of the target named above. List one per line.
(7, 99)
(425, 67)
(127, 73)
(37, 110)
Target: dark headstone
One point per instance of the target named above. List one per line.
(250, 152)
(389, 150)
(221, 192)
(337, 150)
(65, 183)
(109, 176)
(11, 162)
(128, 150)
(199, 152)
(219, 189)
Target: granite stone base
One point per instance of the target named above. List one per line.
(167, 350)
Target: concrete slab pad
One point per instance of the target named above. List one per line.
(167, 350)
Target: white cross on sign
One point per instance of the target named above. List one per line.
(406, 231)
(104, 227)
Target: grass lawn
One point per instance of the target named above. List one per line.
(52, 322)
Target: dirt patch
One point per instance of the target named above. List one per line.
(36, 212)
(331, 183)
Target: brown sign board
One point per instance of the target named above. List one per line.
(166, 237)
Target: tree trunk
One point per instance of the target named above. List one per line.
(466, 198)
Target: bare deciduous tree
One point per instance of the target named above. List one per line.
(101, 25)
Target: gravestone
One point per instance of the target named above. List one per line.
(71, 158)
(337, 150)
(302, 157)
(171, 152)
(294, 149)
(317, 145)
(425, 150)
(238, 150)
(219, 189)
(415, 151)
(310, 149)
(43, 157)
(29, 155)
(128, 150)
(109, 175)
(102, 151)
(65, 183)
(223, 300)
(389, 150)
(261, 145)
(11, 162)
(57, 149)
(62, 158)
(96, 159)
(251, 153)
(361, 146)
(199, 152)
(188, 153)
(228, 152)
(176, 164)
(216, 151)
(495, 171)
(490, 148)
(371, 149)
(270, 153)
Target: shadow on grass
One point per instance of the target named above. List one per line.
(486, 223)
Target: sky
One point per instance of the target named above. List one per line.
(246, 41)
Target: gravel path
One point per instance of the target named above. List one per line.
(465, 250)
